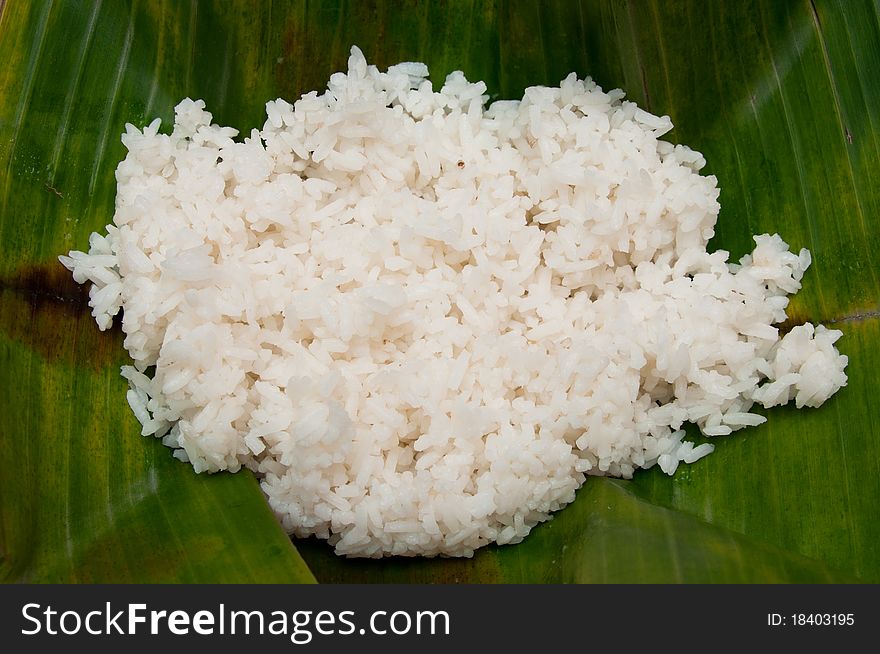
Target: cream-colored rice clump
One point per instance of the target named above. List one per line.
(423, 321)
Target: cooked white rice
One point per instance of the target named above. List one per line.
(422, 321)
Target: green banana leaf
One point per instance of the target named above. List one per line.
(783, 98)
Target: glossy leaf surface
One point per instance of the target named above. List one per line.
(783, 99)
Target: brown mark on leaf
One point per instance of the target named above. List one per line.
(54, 190)
(44, 309)
(796, 318)
(645, 89)
(297, 73)
(330, 568)
(856, 316)
(846, 131)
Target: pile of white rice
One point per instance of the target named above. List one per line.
(422, 321)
